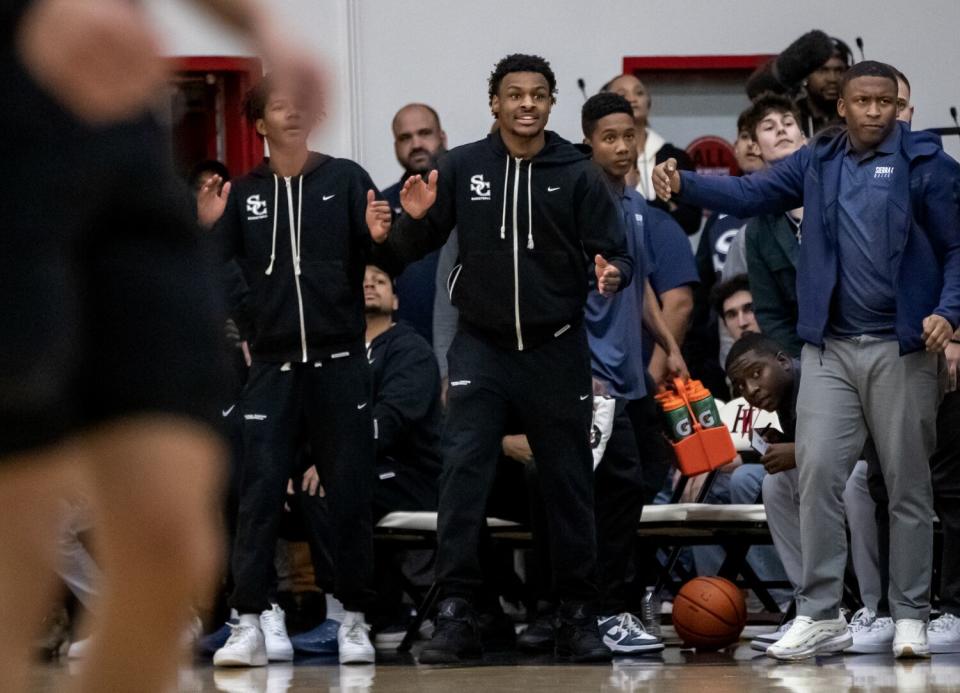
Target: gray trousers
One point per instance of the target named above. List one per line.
(852, 388)
(781, 500)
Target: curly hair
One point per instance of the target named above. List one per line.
(599, 106)
(766, 103)
(520, 62)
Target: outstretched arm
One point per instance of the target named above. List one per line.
(775, 189)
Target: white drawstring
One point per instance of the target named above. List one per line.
(273, 245)
(503, 218)
(299, 223)
(529, 208)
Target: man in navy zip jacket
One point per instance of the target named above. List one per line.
(532, 213)
(295, 224)
(878, 281)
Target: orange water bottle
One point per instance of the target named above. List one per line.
(676, 415)
(703, 404)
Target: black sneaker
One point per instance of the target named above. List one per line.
(540, 636)
(578, 638)
(497, 632)
(456, 637)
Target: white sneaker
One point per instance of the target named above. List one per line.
(808, 638)
(910, 639)
(765, 640)
(78, 649)
(625, 634)
(274, 626)
(871, 635)
(244, 648)
(943, 634)
(353, 640)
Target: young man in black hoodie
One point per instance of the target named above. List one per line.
(527, 204)
(295, 224)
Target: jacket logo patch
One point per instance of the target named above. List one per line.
(883, 172)
(256, 208)
(479, 187)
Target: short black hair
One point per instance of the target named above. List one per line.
(766, 103)
(255, 100)
(521, 62)
(753, 341)
(721, 292)
(599, 106)
(207, 166)
(868, 68)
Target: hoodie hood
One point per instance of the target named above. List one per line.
(314, 161)
(556, 150)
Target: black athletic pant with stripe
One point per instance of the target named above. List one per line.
(329, 404)
(547, 391)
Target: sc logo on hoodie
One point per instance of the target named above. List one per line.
(256, 208)
(479, 187)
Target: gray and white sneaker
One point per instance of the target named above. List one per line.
(808, 638)
(910, 639)
(353, 640)
(274, 626)
(943, 634)
(625, 634)
(871, 635)
(765, 640)
(244, 648)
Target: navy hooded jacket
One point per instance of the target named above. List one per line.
(923, 210)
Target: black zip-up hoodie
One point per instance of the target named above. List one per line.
(302, 244)
(406, 401)
(528, 231)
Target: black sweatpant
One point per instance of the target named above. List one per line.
(945, 476)
(329, 402)
(549, 391)
(618, 499)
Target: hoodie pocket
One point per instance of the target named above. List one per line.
(483, 290)
(553, 287)
(329, 295)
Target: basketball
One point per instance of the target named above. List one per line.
(709, 613)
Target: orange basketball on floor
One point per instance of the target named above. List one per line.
(709, 613)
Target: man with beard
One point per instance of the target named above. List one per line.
(418, 139)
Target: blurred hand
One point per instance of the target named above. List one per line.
(98, 58)
(952, 353)
(936, 332)
(779, 458)
(608, 276)
(212, 200)
(517, 448)
(417, 196)
(676, 366)
(311, 482)
(378, 217)
(666, 179)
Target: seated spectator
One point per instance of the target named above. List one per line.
(651, 150)
(770, 379)
(407, 421)
(773, 240)
(733, 302)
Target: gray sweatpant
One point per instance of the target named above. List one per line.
(851, 388)
(781, 500)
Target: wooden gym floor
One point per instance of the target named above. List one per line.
(733, 671)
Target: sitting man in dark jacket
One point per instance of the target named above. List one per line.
(878, 289)
(407, 423)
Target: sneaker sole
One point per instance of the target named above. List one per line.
(911, 652)
(445, 657)
(838, 643)
(878, 648)
(639, 649)
(945, 648)
(359, 659)
(281, 656)
(227, 661)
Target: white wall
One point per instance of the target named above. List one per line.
(441, 52)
